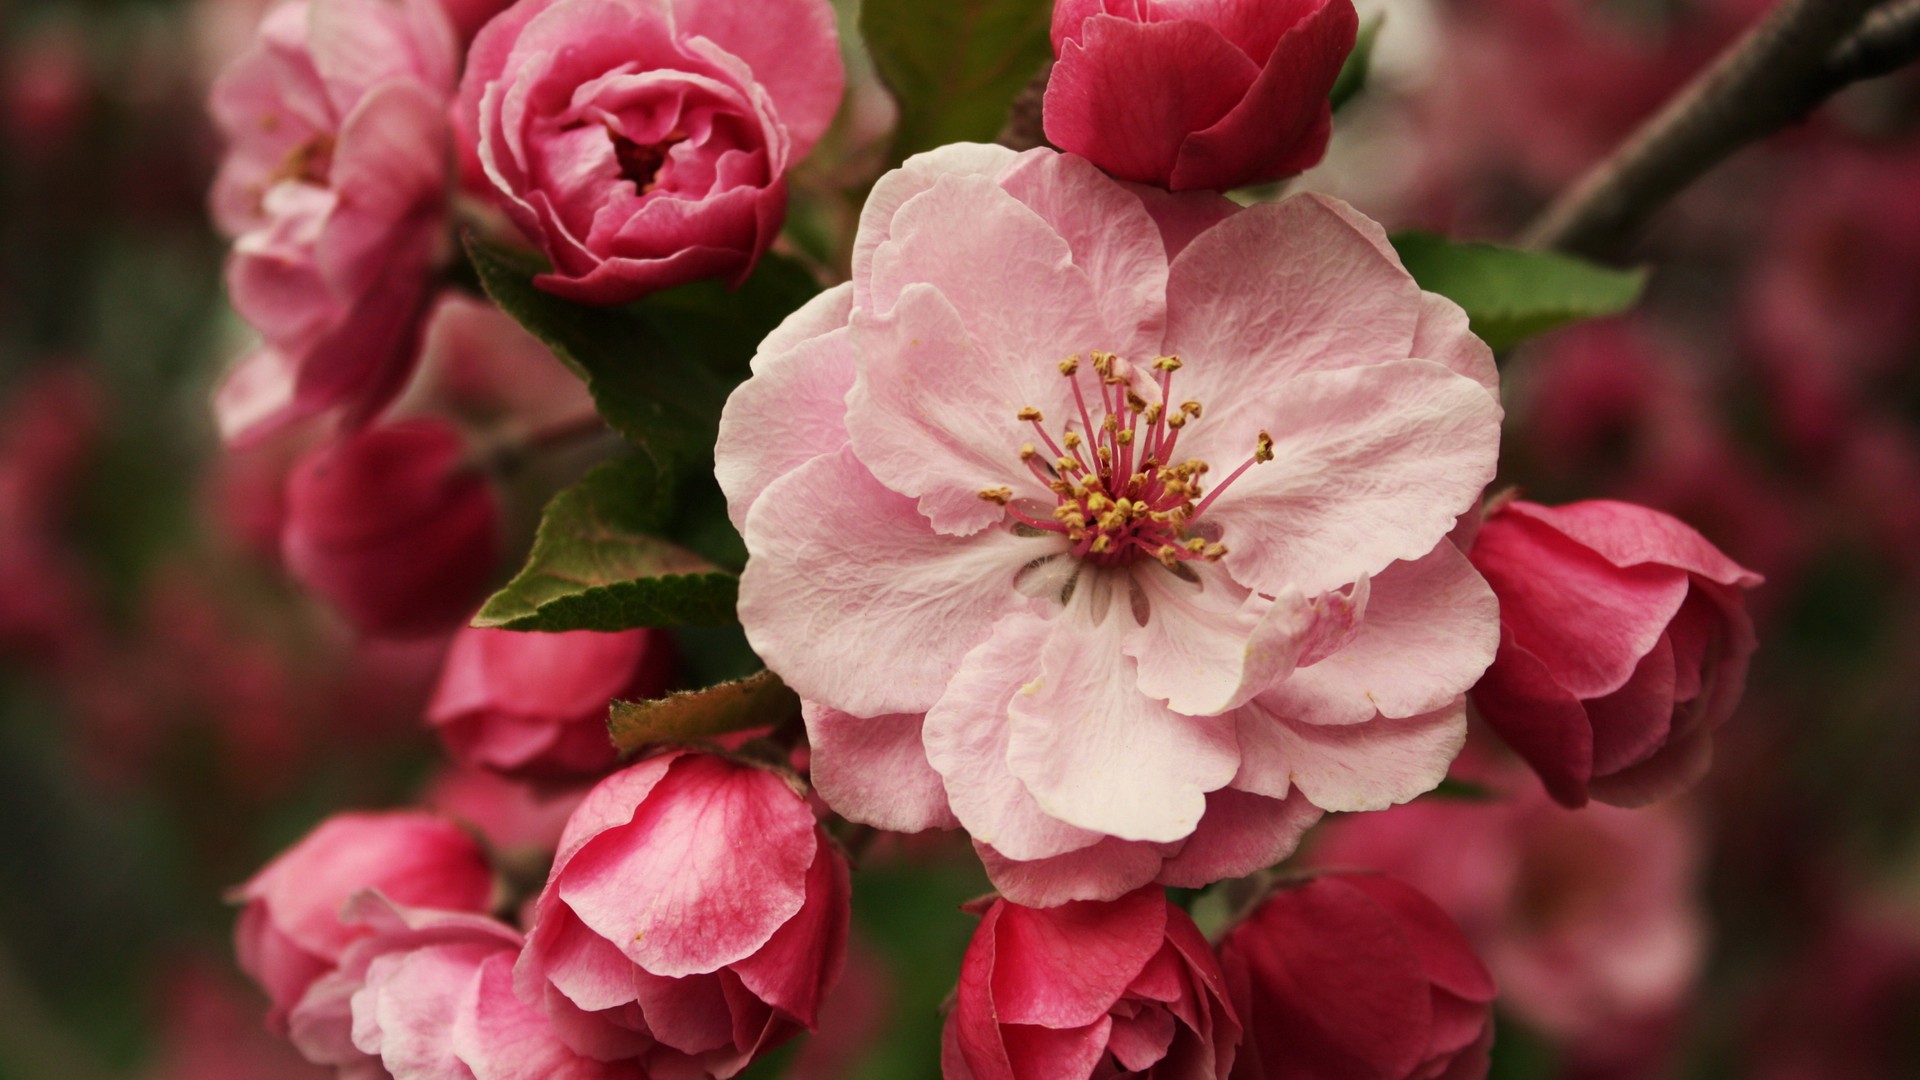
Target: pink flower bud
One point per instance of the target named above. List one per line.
(535, 705)
(1350, 975)
(1624, 641)
(646, 144)
(1110, 989)
(290, 932)
(393, 527)
(1197, 94)
(694, 919)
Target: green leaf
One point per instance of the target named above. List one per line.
(1353, 73)
(596, 566)
(1460, 791)
(1512, 295)
(661, 369)
(756, 701)
(955, 67)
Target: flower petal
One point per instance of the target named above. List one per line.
(1371, 465)
(1350, 767)
(791, 411)
(874, 770)
(892, 191)
(864, 607)
(1098, 753)
(1242, 833)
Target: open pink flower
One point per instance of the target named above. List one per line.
(695, 918)
(1197, 94)
(1624, 642)
(335, 190)
(1128, 988)
(645, 143)
(1112, 524)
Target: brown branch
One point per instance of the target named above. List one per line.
(1795, 58)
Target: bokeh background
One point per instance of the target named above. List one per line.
(172, 711)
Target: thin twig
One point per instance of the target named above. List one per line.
(1768, 79)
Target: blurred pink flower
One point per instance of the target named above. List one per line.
(1116, 989)
(515, 818)
(1590, 919)
(209, 1029)
(290, 932)
(1843, 1007)
(394, 527)
(535, 705)
(1197, 94)
(645, 143)
(1350, 975)
(1005, 595)
(1624, 642)
(695, 918)
(482, 368)
(335, 189)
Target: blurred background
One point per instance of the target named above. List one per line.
(173, 711)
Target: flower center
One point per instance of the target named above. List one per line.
(310, 162)
(641, 162)
(1120, 496)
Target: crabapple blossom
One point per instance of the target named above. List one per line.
(394, 527)
(1349, 975)
(1624, 642)
(428, 995)
(290, 933)
(645, 143)
(1125, 988)
(695, 917)
(1112, 523)
(535, 705)
(1197, 94)
(334, 188)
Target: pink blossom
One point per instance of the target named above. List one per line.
(428, 995)
(1106, 696)
(479, 366)
(334, 189)
(1624, 641)
(1197, 94)
(515, 818)
(535, 705)
(394, 527)
(1590, 920)
(1351, 975)
(694, 919)
(645, 143)
(290, 932)
(209, 1029)
(1126, 988)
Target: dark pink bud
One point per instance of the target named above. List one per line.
(393, 527)
(1624, 641)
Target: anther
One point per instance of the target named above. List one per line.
(1030, 414)
(999, 496)
(1214, 552)
(1263, 451)
(1028, 452)
(1102, 544)
(1177, 421)
(1168, 555)
(1153, 412)
(1136, 402)
(1073, 440)
(1197, 546)
(1070, 366)
(1191, 408)
(1168, 364)
(1124, 436)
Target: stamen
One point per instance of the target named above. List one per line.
(999, 496)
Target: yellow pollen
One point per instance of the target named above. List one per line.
(1098, 503)
(1196, 545)
(1070, 366)
(1073, 440)
(1191, 408)
(1213, 552)
(1136, 402)
(999, 496)
(1102, 543)
(1154, 412)
(1263, 451)
(1169, 555)
(1168, 364)
(1106, 457)
(1030, 413)
(1124, 437)
(1111, 423)
(1177, 421)
(1068, 465)
(1028, 452)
